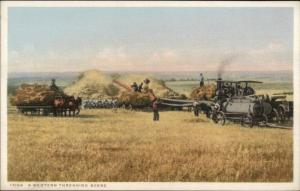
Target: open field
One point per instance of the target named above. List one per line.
(121, 145)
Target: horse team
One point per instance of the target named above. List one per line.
(63, 105)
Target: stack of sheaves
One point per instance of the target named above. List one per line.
(34, 94)
(135, 99)
(206, 92)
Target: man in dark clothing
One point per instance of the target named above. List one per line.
(54, 87)
(134, 87)
(155, 110)
(140, 87)
(268, 100)
(201, 80)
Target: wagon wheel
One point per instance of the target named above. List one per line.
(45, 112)
(219, 118)
(130, 107)
(274, 115)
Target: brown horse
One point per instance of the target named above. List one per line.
(58, 106)
(72, 104)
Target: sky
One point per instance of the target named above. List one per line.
(45, 39)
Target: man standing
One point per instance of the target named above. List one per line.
(153, 98)
(201, 80)
(155, 110)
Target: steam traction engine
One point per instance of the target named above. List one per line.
(235, 101)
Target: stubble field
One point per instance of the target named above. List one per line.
(121, 145)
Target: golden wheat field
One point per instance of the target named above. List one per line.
(122, 145)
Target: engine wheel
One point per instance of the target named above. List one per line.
(265, 120)
(219, 118)
(247, 120)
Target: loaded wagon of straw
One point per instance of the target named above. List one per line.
(35, 99)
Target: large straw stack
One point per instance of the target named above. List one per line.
(93, 84)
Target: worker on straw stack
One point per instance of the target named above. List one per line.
(140, 87)
(201, 80)
(55, 88)
(134, 87)
(146, 86)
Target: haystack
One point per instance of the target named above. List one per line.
(206, 92)
(93, 84)
(35, 94)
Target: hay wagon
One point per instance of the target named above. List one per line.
(35, 99)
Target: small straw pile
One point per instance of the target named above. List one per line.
(206, 92)
(135, 99)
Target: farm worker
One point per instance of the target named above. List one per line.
(155, 110)
(153, 99)
(146, 86)
(56, 89)
(268, 100)
(53, 86)
(134, 87)
(201, 80)
(140, 87)
(239, 90)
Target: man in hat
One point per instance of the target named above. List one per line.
(53, 86)
(201, 80)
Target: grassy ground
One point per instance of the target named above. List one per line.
(119, 145)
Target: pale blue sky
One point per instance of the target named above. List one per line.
(75, 39)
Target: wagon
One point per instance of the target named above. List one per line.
(35, 109)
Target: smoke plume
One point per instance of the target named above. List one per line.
(224, 65)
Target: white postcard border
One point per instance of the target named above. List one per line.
(5, 185)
